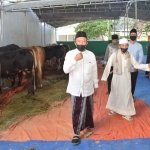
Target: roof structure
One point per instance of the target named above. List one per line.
(59, 13)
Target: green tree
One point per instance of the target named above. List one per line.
(147, 28)
(95, 28)
(139, 25)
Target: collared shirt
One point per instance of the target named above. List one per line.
(111, 48)
(83, 77)
(136, 50)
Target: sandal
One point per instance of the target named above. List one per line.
(75, 140)
(129, 118)
(87, 134)
(111, 112)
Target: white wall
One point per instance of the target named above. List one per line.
(66, 33)
(48, 34)
(24, 29)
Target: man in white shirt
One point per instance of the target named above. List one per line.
(83, 83)
(120, 99)
(136, 50)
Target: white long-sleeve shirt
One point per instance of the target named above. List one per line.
(83, 76)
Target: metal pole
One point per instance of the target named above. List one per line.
(127, 25)
(44, 33)
(27, 30)
(135, 4)
(127, 11)
(2, 22)
(108, 29)
(55, 33)
(2, 29)
(114, 26)
(124, 25)
(41, 34)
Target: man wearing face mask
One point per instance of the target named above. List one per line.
(136, 50)
(111, 48)
(120, 99)
(83, 83)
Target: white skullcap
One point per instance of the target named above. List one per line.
(123, 41)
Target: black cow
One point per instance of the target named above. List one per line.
(13, 62)
(56, 51)
(53, 51)
(8, 48)
(66, 46)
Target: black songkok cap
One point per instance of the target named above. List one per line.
(80, 34)
(115, 36)
(133, 30)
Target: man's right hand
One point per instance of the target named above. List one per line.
(135, 70)
(79, 56)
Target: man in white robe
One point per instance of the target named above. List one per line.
(120, 99)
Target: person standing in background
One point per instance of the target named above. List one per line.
(136, 50)
(111, 48)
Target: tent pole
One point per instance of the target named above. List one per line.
(135, 4)
(2, 23)
(27, 30)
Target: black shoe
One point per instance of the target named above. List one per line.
(76, 140)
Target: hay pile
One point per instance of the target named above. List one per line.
(54, 89)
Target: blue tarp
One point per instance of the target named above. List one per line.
(134, 144)
(142, 90)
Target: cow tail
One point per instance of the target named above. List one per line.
(64, 50)
(63, 57)
(35, 70)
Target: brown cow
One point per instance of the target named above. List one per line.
(39, 58)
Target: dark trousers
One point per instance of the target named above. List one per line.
(133, 81)
(109, 79)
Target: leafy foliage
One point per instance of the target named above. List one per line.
(139, 25)
(95, 29)
(102, 28)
